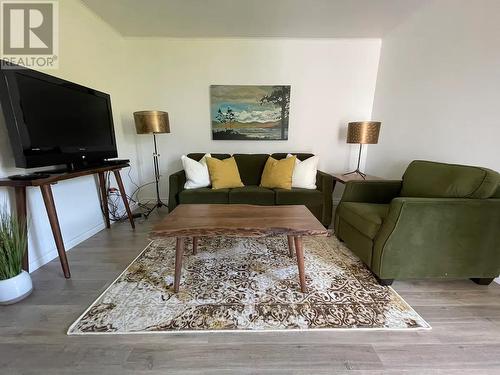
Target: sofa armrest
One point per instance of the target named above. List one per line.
(439, 237)
(176, 183)
(324, 183)
(372, 191)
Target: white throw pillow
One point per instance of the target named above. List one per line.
(304, 173)
(196, 172)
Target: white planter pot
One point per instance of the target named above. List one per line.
(16, 288)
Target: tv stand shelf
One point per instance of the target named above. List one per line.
(45, 187)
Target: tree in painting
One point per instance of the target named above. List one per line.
(281, 97)
(227, 117)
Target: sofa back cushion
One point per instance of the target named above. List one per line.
(251, 167)
(440, 180)
(300, 156)
(198, 155)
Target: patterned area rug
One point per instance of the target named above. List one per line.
(246, 284)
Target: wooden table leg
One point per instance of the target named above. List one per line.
(179, 252)
(195, 245)
(124, 196)
(104, 198)
(300, 262)
(21, 219)
(48, 199)
(290, 246)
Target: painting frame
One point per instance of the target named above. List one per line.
(250, 112)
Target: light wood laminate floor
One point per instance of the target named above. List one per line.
(465, 338)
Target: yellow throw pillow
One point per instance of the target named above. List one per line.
(278, 173)
(224, 173)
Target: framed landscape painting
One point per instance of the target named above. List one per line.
(249, 112)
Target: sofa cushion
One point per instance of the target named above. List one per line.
(365, 217)
(251, 167)
(306, 197)
(204, 195)
(223, 173)
(305, 172)
(440, 180)
(252, 195)
(278, 173)
(197, 175)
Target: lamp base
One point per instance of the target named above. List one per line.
(358, 172)
(158, 204)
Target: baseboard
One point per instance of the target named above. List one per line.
(52, 254)
(34, 264)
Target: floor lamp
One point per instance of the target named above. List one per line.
(153, 122)
(362, 132)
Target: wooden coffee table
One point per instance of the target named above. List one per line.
(239, 220)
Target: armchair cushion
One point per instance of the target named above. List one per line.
(428, 179)
(367, 218)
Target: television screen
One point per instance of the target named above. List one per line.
(52, 121)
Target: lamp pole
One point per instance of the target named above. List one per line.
(357, 170)
(156, 157)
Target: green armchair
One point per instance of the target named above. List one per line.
(440, 221)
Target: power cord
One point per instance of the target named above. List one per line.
(114, 199)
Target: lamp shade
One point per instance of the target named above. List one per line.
(147, 122)
(364, 132)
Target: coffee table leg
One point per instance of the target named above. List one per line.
(195, 245)
(290, 245)
(300, 262)
(179, 251)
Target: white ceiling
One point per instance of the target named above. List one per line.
(255, 18)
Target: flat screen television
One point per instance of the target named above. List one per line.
(52, 121)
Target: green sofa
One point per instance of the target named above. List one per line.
(250, 166)
(440, 221)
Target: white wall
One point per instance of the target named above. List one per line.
(332, 82)
(438, 88)
(91, 53)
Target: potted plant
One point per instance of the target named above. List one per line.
(15, 284)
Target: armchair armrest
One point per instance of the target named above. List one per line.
(176, 183)
(439, 237)
(373, 191)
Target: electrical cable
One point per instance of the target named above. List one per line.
(114, 198)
